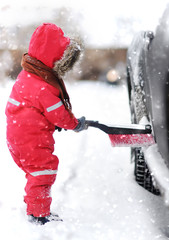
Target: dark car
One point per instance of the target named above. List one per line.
(148, 87)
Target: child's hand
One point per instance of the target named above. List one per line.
(81, 125)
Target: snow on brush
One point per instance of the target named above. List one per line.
(95, 192)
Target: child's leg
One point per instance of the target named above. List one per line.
(38, 197)
(40, 166)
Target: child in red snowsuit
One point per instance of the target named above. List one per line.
(39, 104)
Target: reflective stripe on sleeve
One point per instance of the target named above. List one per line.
(13, 101)
(44, 172)
(54, 107)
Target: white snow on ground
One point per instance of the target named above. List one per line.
(95, 192)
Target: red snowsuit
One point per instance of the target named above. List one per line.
(33, 110)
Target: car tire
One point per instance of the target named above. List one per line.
(142, 173)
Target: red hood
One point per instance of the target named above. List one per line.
(48, 44)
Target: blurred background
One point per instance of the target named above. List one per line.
(106, 28)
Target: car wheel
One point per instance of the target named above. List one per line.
(142, 173)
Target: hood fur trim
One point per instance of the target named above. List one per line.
(70, 57)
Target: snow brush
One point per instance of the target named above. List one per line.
(126, 136)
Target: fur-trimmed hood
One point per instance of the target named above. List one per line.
(49, 45)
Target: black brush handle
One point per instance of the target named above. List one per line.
(119, 130)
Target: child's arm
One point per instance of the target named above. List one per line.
(55, 112)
